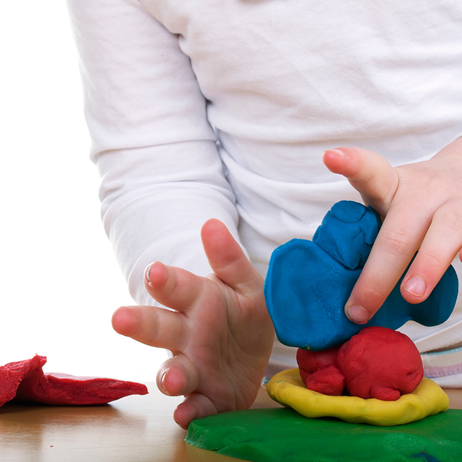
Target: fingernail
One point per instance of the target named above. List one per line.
(337, 152)
(162, 380)
(147, 273)
(358, 314)
(415, 286)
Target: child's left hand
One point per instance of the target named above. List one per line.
(421, 205)
(218, 329)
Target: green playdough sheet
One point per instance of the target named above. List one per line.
(282, 435)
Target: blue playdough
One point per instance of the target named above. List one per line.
(309, 282)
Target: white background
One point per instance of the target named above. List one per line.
(59, 280)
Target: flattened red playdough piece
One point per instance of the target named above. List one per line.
(26, 381)
(12, 374)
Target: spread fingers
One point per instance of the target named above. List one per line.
(151, 325)
(173, 287)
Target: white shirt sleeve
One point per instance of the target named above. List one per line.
(162, 177)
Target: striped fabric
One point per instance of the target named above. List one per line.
(444, 367)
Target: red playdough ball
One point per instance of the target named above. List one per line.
(313, 360)
(380, 363)
(319, 371)
(328, 381)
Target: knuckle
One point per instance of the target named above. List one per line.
(373, 294)
(453, 222)
(432, 261)
(396, 243)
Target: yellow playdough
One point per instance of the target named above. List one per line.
(428, 398)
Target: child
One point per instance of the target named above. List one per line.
(217, 112)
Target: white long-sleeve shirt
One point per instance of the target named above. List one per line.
(223, 108)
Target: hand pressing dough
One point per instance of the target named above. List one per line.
(309, 282)
(306, 288)
(26, 381)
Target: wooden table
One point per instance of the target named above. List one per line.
(134, 429)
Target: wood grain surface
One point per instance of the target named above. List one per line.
(133, 429)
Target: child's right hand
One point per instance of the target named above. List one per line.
(220, 332)
(421, 205)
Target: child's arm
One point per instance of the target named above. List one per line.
(422, 208)
(220, 332)
(161, 174)
(162, 178)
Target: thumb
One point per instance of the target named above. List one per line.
(369, 173)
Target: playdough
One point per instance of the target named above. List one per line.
(309, 282)
(428, 398)
(282, 435)
(319, 371)
(380, 363)
(26, 381)
(376, 363)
